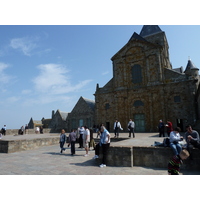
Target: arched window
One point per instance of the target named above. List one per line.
(136, 74)
(138, 103)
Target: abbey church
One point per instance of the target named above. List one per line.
(146, 88)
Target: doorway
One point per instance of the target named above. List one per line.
(139, 120)
(108, 126)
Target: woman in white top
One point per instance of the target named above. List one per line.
(174, 141)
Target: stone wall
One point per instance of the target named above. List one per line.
(153, 157)
(22, 145)
(30, 131)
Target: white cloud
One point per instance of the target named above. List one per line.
(25, 44)
(55, 79)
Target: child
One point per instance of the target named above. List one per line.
(72, 141)
(176, 162)
(62, 140)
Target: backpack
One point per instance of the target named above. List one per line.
(166, 142)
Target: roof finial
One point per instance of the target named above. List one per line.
(189, 58)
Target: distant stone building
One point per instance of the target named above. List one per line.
(58, 121)
(82, 114)
(34, 123)
(146, 88)
(46, 122)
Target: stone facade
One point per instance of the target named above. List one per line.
(82, 114)
(145, 87)
(34, 123)
(58, 121)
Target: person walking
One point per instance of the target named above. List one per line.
(86, 140)
(62, 140)
(72, 141)
(131, 127)
(81, 130)
(117, 127)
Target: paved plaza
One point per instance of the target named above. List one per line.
(47, 160)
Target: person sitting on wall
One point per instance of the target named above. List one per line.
(174, 141)
(192, 139)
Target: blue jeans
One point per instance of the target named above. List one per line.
(176, 148)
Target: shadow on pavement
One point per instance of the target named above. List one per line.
(86, 163)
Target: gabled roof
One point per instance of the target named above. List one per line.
(90, 103)
(63, 114)
(146, 31)
(149, 30)
(136, 36)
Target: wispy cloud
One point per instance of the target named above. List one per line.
(54, 83)
(104, 73)
(25, 44)
(5, 78)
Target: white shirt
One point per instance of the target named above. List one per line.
(85, 134)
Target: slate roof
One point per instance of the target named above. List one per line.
(149, 30)
(90, 103)
(63, 115)
(190, 65)
(179, 70)
(136, 36)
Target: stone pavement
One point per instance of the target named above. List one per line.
(47, 160)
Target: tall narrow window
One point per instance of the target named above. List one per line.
(136, 74)
(107, 106)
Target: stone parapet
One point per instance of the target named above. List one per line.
(152, 157)
(11, 146)
(29, 131)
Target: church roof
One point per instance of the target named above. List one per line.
(190, 65)
(149, 30)
(136, 36)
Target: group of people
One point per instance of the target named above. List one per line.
(131, 128)
(20, 131)
(162, 126)
(85, 137)
(180, 154)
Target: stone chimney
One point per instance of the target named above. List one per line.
(53, 113)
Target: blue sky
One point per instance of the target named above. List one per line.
(45, 68)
